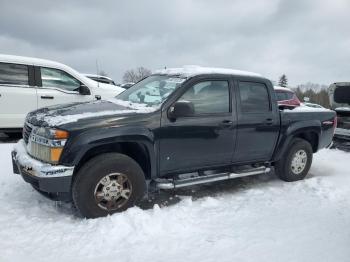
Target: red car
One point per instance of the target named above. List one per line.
(287, 97)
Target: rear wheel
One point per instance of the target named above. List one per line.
(107, 184)
(296, 162)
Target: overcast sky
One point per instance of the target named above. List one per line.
(308, 40)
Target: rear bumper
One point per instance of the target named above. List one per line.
(54, 181)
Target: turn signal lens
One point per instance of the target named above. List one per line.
(61, 134)
(56, 154)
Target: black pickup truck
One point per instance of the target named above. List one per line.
(176, 128)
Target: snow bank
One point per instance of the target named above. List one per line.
(192, 70)
(304, 108)
(251, 219)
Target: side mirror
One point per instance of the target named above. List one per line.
(84, 90)
(181, 109)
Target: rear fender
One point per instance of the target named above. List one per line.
(298, 129)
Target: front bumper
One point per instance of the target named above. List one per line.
(54, 181)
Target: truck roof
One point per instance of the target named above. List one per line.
(30, 61)
(193, 70)
(25, 60)
(281, 88)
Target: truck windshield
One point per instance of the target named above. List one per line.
(151, 91)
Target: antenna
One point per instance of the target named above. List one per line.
(97, 72)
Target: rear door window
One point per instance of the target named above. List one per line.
(13, 74)
(254, 97)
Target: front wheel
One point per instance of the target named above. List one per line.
(296, 162)
(107, 184)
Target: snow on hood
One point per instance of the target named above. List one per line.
(59, 115)
(342, 109)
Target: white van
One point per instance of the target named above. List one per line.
(28, 83)
(339, 98)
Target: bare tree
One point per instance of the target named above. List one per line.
(135, 75)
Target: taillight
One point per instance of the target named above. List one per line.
(335, 122)
(331, 122)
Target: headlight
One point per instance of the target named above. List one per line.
(47, 144)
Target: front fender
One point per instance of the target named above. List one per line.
(78, 145)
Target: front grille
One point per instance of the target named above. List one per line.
(27, 129)
(40, 152)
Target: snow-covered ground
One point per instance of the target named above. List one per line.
(251, 219)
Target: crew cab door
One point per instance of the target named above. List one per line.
(258, 121)
(58, 87)
(17, 94)
(203, 139)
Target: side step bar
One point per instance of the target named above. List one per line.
(178, 183)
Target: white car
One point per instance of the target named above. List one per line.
(27, 84)
(312, 105)
(101, 79)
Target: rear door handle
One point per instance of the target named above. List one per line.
(46, 97)
(226, 123)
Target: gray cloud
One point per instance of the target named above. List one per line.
(308, 40)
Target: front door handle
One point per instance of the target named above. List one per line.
(46, 97)
(268, 121)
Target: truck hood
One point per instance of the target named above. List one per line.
(108, 89)
(55, 116)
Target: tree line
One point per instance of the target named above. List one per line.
(309, 92)
(317, 96)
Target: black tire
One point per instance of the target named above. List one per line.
(89, 177)
(284, 168)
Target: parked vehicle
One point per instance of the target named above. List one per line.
(27, 84)
(339, 97)
(127, 85)
(286, 97)
(101, 79)
(311, 105)
(176, 128)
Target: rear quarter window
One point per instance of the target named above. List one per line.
(284, 95)
(281, 96)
